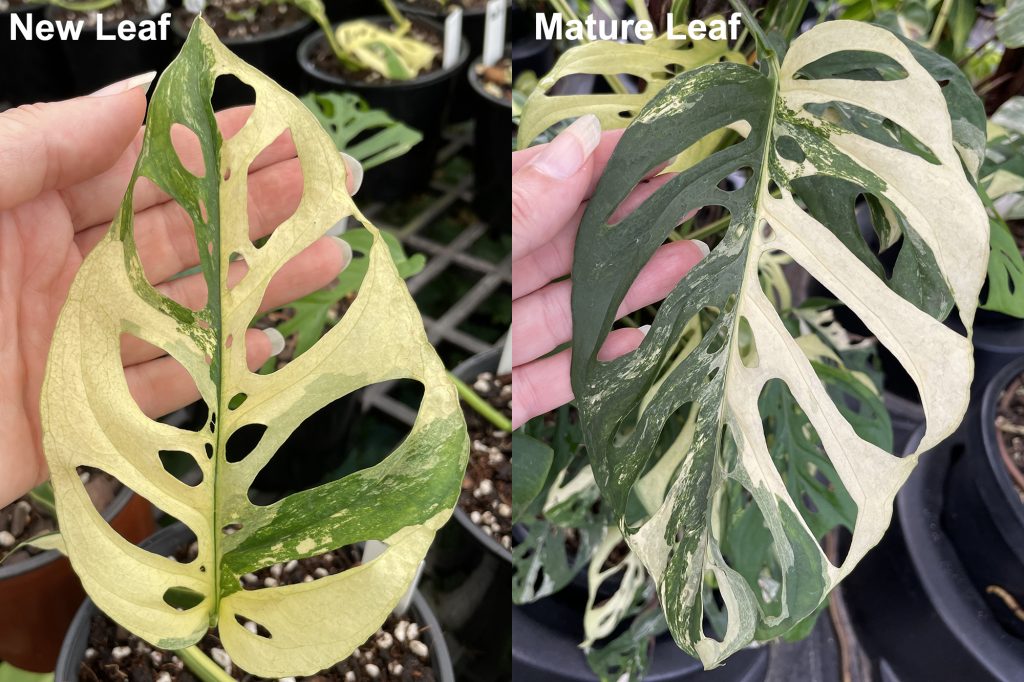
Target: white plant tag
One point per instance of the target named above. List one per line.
(452, 38)
(494, 33)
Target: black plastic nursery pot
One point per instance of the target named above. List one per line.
(93, 63)
(271, 52)
(33, 70)
(911, 598)
(468, 575)
(984, 512)
(421, 103)
(169, 539)
(44, 592)
(531, 54)
(492, 139)
(545, 648)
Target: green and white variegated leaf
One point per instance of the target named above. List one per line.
(1010, 24)
(90, 419)
(371, 136)
(805, 136)
(627, 657)
(600, 620)
(655, 62)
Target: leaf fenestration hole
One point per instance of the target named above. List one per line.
(236, 401)
(135, 351)
(181, 465)
(252, 626)
(231, 528)
(789, 149)
(182, 598)
(231, 91)
(188, 148)
(747, 344)
(243, 441)
(273, 194)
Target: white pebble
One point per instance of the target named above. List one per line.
(350, 676)
(372, 670)
(505, 510)
(488, 518)
(474, 516)
(22, 504)
(85, 476)
(90, 654)
(250, 579)
(221, 658)
(320, 572)
(484, 488)
(385, 641)
(291, 566)
(413, 632)
(488, 531)
(251, 627)
(499, 434)
(119, 653)
(276, 571)
(480, 446)
(6, 539)
(401, 630)
(480, 386)
(157, 657)
(506, 542)
(286, 679)
(419, 648)
(395, 668)
(308, 579)
(269, 582)
(495, 458)
(163, 677)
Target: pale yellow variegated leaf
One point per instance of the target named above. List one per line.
(90, 419)
(396, 56)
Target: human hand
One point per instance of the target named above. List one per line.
(550, 186)
(64, 168)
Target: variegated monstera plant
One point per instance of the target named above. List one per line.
(91, 420)
(728, 443)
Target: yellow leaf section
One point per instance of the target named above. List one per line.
(655, 62)
(386, 52)
(90, 419)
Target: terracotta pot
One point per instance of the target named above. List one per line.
(44, 592)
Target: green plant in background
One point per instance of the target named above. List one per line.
(736, 446)
(370, 136)
(361, 45)
(90, 419)
(8, 673)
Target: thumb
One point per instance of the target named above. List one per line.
(55, 145)
(548, 190)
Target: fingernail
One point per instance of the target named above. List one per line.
(346, 251)
(644, 329)
(276, 341)
(704, 248)
(355, 173)
(567, 153)
(143, 79)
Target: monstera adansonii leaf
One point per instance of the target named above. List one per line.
(90, 419)
(851, 112)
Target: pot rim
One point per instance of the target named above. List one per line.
(440, 657)
(474, 81)
(987, 415)
(52, 10)
(489, 359)
(178, 17)
(113, 509)
(306, 47)
(938, 567)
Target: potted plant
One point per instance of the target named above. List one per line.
(394, 64)
(469, 568)
(492, 90)
(39, 586)
(400, 501)
(408, 643)
(680, 422)
(36, 70)
(92, 62)
(264, 34)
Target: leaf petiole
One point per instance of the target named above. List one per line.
(479, 405)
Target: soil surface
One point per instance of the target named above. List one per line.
(1010, 427)
(397, 652)
(487, 487)
(25, 518)
(278, 317)
(242, 19)
(326, 62)
(442, 8)
(497, 80)
(126, 9)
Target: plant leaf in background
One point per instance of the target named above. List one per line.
(370, 136)
(807, 136)
(90, 419)
(655, 62)
(312, 313)
(530, 470)
(8, 673)
(1010, 24)
(398, 57)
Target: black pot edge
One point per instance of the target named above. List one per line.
(73, 648)
(467, 371)
(987, 418)
(297, 27)
(52, 9)
(936, 569)
(474, 81)
(306, 64)
(115, 507)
